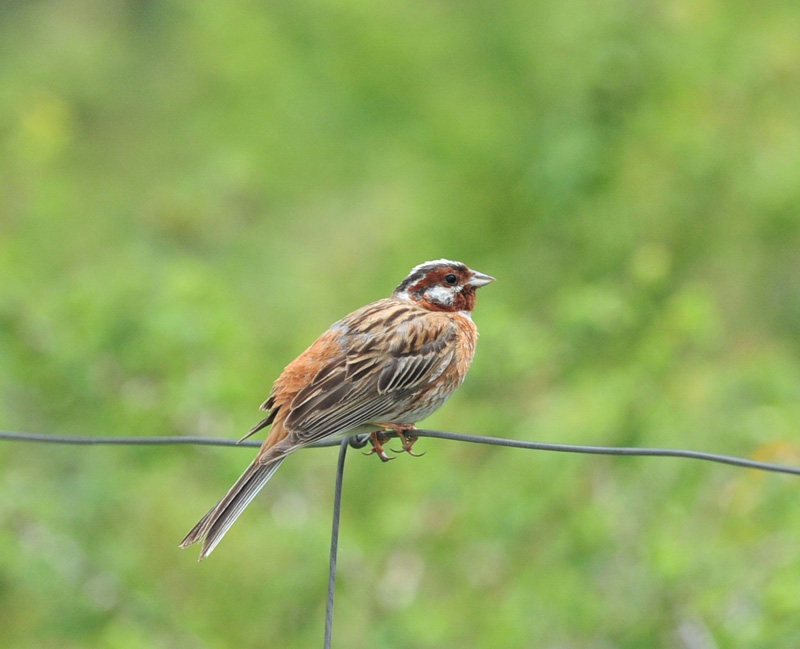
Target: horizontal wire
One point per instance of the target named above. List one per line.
(360, 440)
(614, 450)
(15, 436)
(357, 440)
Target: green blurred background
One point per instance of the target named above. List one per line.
(191, 191)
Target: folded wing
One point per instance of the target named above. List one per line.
(373, 372)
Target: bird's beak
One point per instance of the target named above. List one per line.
(479, 279)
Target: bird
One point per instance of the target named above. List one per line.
(378, 370)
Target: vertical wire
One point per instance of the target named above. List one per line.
(337, 507)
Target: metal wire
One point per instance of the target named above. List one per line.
(614, 450)
(437, 434)
(358, 441)
(337, 509)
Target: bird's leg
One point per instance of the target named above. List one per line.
(407, 438)
(378, 438)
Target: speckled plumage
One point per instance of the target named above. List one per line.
(385, 366)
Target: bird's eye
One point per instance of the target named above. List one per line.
(450, 278)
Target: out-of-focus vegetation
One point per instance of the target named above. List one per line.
(190, 192)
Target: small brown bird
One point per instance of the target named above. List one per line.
(382, 368)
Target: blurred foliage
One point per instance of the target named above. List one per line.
(190, 192)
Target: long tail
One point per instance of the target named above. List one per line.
(213, 526)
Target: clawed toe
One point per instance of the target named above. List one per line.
(406, 450)
(408, 440)
(378, 439)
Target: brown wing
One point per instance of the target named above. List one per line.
(384, 352)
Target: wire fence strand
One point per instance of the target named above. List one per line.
(359, 441)
(337, 510)
(434, 434)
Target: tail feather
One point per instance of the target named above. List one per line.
(213, 526)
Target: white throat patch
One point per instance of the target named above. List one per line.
(441, 295)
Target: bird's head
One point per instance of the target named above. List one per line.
(442, 285)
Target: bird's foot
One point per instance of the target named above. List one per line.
(408, 439)
(378, 439)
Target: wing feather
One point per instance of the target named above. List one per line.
(372, 371)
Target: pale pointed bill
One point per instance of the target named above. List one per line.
(480, 279)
